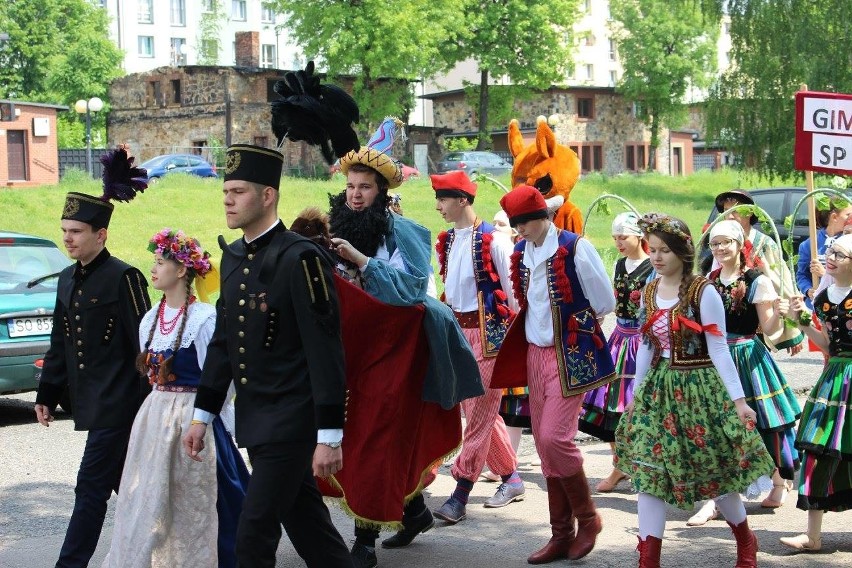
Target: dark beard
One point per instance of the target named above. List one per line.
(365, 230)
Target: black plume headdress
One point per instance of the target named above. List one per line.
(321, 115)
(122, 180)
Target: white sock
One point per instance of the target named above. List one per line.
(732, 508)
(652, 516)
(515, 436)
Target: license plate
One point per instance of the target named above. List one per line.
(24, 327)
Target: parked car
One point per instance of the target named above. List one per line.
(185, 163)
(778, 202)
(473, 162)
(29, 267)
(407, 171)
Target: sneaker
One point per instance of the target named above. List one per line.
(452, 511)
(506, 493)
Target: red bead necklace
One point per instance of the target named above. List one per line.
(166, 327)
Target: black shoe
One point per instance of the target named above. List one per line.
(410, 529)
(452, 511)
(363, 557)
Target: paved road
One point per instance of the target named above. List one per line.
(38, 467)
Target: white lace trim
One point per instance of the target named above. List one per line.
(199, 313)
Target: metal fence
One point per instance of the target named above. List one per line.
(76, 158)
(703, 162)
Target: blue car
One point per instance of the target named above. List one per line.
(185, 163)
(29, 270)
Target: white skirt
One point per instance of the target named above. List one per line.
(166, 510)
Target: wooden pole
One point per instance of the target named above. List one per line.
(812, 228)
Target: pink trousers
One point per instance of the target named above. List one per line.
(554, 417)
(485, 437)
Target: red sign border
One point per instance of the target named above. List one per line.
(803, 148)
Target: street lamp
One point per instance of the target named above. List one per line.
(88, 107)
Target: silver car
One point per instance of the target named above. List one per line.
(473, 162)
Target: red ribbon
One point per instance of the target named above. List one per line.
(712, 328)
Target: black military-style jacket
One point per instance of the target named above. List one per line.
(95, 341)
(278, 338)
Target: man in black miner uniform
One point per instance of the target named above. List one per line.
(100, 301)
(278, 336)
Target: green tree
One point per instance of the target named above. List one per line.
(46, 62)
(209, 31)
(665, 48)
(384, 44)
(777, 45)
(528, 41)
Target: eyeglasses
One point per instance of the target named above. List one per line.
(831, 253)
(722, 244)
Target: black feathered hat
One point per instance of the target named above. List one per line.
(321, 115)
(122, 181)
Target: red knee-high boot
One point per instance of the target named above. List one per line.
(649, 552)
(561, 525)
(746, 545)
(589, 523)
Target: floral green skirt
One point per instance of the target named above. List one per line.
(684, 442)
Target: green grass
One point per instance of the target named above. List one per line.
(195, 205)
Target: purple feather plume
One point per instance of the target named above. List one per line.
(122, 180)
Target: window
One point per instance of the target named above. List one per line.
(268, 56)
(208, 5)
(634, 157)
(146, 46)
(178, 51)
(146, 12)
(589, 39)
(590, 71)
(152, 93)
(613, 50)
(176, 91)
(591, 157)
(587, 6)
(210, 51)
(238, 10)
(585, 108)
(613, 78)
(178, 13)
(267, 14)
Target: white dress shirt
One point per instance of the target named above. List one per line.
(460, 286)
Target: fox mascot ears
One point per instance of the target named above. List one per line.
(551, 168)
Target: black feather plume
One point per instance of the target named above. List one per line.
(321, 115)
(122, 180)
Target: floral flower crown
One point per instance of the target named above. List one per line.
(177, 246)
(659, 222)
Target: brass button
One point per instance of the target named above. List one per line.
(242, 302)
(243, 380)
(242, 286)
(251, 256)
(245, 270)
(242, 318)
(242, 334)
(79, 292)
(242, 349)
(242, 365)
(77, 317)
(76, 304)
(79, 353)
(82, 366)
(79, 330)
(266, 344)
(79, 342)
(106, 337)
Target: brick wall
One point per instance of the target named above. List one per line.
(40, 152)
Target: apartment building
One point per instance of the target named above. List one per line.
(160, 33)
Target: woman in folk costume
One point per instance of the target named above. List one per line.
(556, 346)
(604, 406)
(173, 511)
(825, 430)
(751, 303)
(689, 433)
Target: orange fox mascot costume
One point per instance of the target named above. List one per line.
(551, 168)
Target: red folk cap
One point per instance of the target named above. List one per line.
(453, 184)
(522, 204)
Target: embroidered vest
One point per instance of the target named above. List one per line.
(686, 353)
(628, 288)
(740, 313)
(583, 360)
(494, 312)
(836, 318)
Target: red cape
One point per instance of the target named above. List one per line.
(392, 440)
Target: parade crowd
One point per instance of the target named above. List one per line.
(330, 357)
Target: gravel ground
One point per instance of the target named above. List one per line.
(39, 465)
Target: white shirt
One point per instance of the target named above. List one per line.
(396, 261)
(460, 285)
(594, 283)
